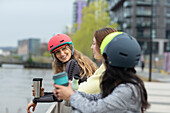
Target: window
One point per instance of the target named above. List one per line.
(168, 34)
(153, 33)
(146, 11)
(167, 3)
(155, 2)
(155, 47)
(168, 12)
(140, 33)
(167, 47)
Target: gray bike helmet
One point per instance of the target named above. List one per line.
(121, 50)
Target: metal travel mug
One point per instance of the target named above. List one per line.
(61, 79)
(37, 82)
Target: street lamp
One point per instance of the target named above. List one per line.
(150, 41)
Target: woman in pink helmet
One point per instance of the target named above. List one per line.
(65, 58)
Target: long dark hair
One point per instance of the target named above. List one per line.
(115, 75)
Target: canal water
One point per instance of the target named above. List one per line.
(16, 88)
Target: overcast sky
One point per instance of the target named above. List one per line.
(23, 19)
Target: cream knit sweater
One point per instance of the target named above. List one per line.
(92, 85)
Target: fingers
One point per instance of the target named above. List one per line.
(42, 89)
(33, 93)
(28, 109)
(55, 93)
(33, 109)
(69, 85)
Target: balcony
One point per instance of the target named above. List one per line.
(143, 24)
(168, 15)
(127, 15)
(143, 13)
(146, 3)
(126, 25)
(167, 4)
(127, 4)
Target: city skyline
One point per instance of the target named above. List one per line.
(23, 19)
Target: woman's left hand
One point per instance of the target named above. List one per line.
(62, 92)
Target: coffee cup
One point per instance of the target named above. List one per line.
(61, 79)
(37, 82)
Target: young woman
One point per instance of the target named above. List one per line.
(62, 50)
(65, 58)
(91, 86)
(122, 90)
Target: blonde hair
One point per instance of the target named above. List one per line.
(88, 67)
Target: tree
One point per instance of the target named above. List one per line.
(30, 60)
(94, 17)
(46, 54)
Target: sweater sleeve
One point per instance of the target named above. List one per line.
(117, 100)
(73, 68)
(90, 96)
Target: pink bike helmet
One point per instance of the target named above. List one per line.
(59, 41)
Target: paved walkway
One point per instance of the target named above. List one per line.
(158, 97)
(158, 92)
(162, 77)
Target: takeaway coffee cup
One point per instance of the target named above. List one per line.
(37, 82)
(61, 79)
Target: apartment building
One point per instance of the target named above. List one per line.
(29, 46)
(145, 20)
(77, 11)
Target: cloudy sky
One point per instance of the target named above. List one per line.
(23, 19)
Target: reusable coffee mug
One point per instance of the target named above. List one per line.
(37, 82)
(61, 78)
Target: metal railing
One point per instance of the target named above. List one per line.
(58, 107)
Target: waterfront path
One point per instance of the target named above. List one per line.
(156, 75)
(158, 92)
(158, 96)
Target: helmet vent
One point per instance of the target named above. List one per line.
(51, 46)
(130, 37)
(123, 54)
(137, 59)
(61, 40)
(138, 55)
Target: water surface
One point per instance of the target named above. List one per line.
(16, 86)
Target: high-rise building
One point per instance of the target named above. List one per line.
(29, 46)
(144, 19)
(77, 11)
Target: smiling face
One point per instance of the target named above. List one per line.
(63, 54)
(96, 50)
